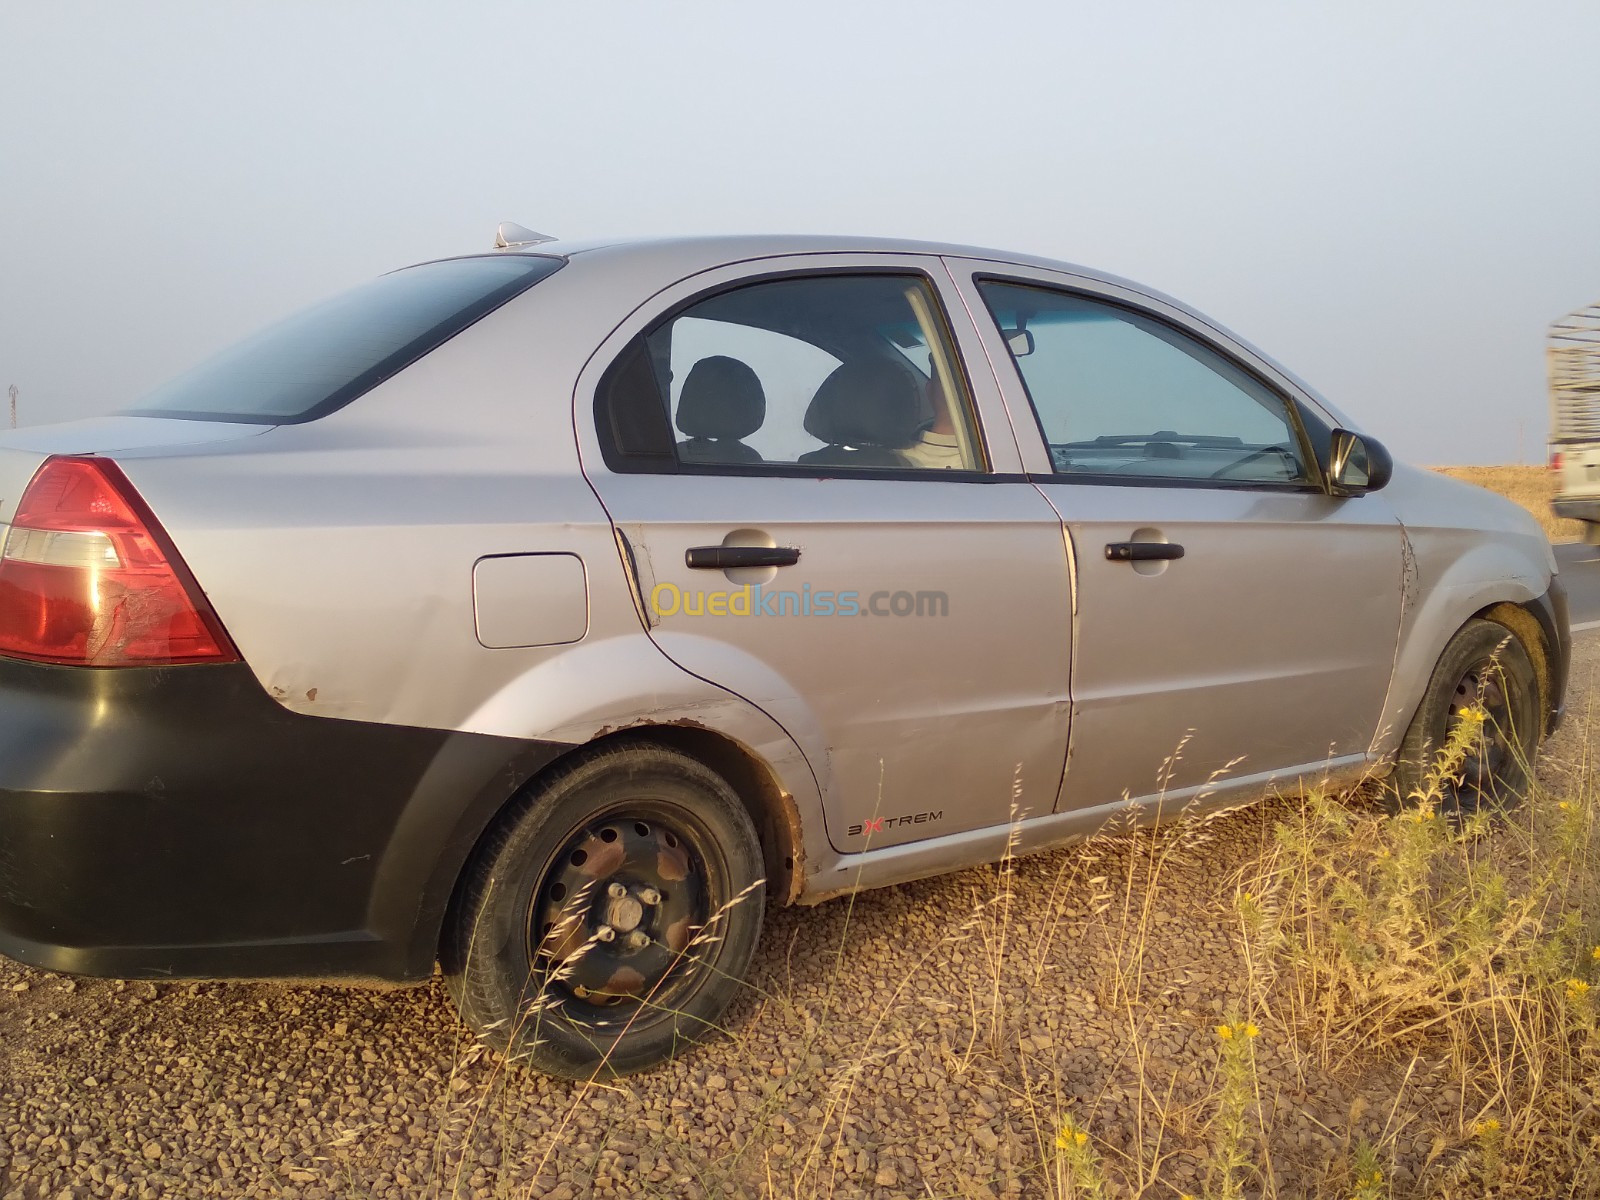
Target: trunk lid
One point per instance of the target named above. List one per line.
(23, 450)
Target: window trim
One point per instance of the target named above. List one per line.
(621, 463)
(1293, 409)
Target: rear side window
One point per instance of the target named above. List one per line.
(801, 375)
(322, 358)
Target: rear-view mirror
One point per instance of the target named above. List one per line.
(1019, 341)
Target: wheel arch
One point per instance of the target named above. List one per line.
(1541, 625)
(1525, 626)
(1427, 630)
(773, 811)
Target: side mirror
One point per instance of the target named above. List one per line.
(1357, 465)
(1020, 341)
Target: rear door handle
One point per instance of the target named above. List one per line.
(723, 558)
(1142, 551)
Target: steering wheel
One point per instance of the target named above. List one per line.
(1287, 456)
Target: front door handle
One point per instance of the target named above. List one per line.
(724, 558)
(1142, 551)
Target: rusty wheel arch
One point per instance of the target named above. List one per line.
(1525, 627)
(772, 810)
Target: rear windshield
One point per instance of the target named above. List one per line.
(324, 357)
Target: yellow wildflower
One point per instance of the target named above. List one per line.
(1595, 954)
(1564, 806)
(1070, 1136)
(1224, 1032)
(1484, 1128)
(1577, 989)
(1251, 1031)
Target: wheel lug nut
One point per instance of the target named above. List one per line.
(649, 896)
(638, 939)
(605, 934)
(616, 891)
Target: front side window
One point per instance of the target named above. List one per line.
(827, 372)
(1121, 395)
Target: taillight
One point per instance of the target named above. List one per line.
(88, 577)
(1555, 460)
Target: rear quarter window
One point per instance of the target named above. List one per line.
(323, 357)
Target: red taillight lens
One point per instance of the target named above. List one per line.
(1555, 460)
(88, 577)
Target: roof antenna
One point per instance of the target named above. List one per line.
(511, 235)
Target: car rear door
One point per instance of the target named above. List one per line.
(1234, 623)
(897, 602)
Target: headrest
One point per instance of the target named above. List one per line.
(868, 402)
(721, 398)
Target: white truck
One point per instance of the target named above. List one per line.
(1573, 357)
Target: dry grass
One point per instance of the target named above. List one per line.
(1531, 487)
(1457, 960)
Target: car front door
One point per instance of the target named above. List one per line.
(825, 515)
(1234, 622)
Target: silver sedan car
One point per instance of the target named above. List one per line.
(546, 613)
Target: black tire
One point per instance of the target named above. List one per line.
(1485, 664)
(635, 839)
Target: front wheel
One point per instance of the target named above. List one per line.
(609, 917)
(1487, 668)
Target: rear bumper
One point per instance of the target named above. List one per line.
(178, 822)
(1577, 509)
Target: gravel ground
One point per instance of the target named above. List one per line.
(878, 1053)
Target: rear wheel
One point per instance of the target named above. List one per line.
(610, 916)
(1484, 667)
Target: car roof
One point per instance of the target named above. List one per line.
(682, 256)
(714, 250)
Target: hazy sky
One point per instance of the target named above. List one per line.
(1393, 199)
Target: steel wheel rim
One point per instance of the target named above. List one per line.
(613, 923)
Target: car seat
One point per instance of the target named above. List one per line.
(721, 403)
(867, 411)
